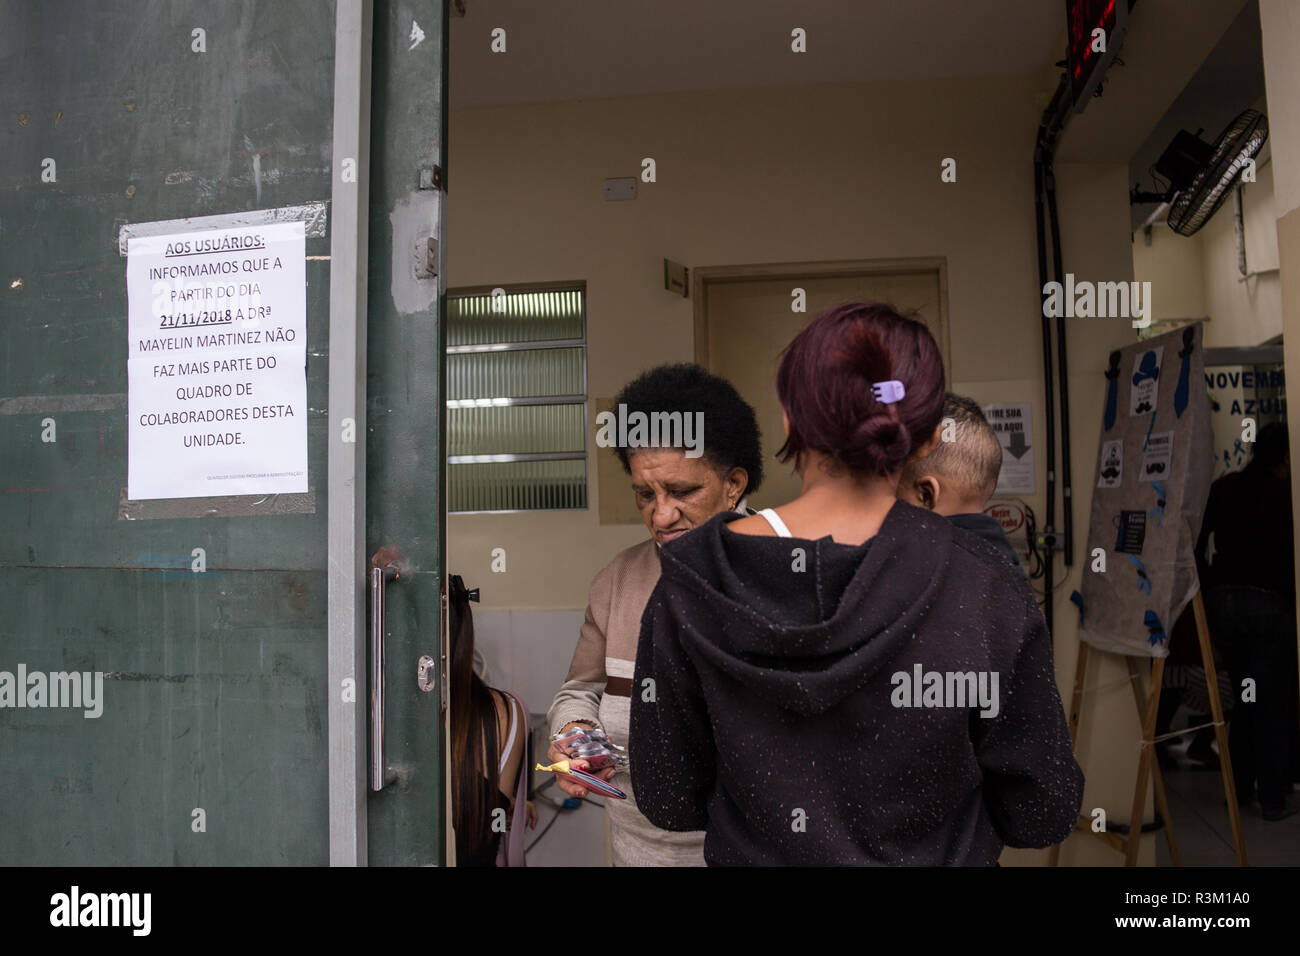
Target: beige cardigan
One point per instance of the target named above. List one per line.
(598, 689)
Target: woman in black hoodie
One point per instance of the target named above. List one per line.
(876, 688)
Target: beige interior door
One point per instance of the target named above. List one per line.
(747, 322)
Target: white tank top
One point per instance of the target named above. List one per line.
(777, 524)
(511, 705)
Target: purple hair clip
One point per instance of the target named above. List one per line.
(887, 392)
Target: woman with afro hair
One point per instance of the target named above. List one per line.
(677, 487)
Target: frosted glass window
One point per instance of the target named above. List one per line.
(518, 486)
(517, 399)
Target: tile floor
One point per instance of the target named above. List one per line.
(1203, 832)
(576, 837)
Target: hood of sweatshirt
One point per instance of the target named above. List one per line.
(806, 623)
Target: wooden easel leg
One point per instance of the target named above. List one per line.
(1134, 841)
(1076, 698)
(1162, 800)
(1220, 731)
(1072, 720)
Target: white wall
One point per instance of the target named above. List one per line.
(1095, 240)
(1174, 265)
(817, 173)
(1279, 22)
(1243, 311)
(1280, 30)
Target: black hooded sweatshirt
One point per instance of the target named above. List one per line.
(990, 529)
(781, 717)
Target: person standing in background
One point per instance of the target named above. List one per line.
(1250, 605)
(489, 751)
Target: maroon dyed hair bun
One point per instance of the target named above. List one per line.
(825, 385)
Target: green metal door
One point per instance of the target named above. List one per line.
(183, 680)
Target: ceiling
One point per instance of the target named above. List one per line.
(1184, 63)
(585, 49)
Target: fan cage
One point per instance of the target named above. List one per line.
(1193, 207)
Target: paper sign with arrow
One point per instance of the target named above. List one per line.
(1014, 426)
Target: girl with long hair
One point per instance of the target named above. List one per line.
(489, 745)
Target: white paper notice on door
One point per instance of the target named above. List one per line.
(217, 362)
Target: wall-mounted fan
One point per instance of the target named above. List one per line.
(1200, 174)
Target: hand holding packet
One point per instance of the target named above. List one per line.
(594, 747)
(587, 780)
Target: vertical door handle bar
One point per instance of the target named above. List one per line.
(378, 762)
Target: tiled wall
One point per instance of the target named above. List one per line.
(527, 652)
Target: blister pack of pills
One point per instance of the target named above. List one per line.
(594, 747)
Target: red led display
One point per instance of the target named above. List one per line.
(1086, 64)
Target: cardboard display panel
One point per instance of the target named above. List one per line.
(1154, 465)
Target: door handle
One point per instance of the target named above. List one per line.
(378, 761)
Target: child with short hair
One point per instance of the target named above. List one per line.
(957, 479)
